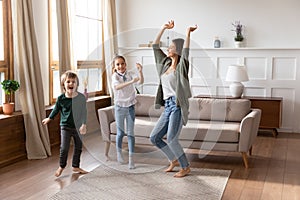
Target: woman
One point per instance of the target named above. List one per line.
(173, 93)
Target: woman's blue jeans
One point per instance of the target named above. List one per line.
(66, 135)
(170, 124)
(123, 114)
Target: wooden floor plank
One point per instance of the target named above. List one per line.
(273, 169)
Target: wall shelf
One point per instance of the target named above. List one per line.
(222, 48)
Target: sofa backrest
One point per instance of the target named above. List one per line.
(200, 108)
(145, 106)
(219, 109)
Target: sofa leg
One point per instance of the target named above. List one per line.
(245, 159)
(107, 146)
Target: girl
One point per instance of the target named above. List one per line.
(72, 107)
(124, 99)
(173, 93)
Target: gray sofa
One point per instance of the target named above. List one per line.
(214, 124)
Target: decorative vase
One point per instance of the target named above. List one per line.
(86, 94)
(217, 43)
(8, 108)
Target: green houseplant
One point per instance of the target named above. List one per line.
(238, 28)
(9, 87)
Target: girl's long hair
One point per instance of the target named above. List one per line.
(113, 62)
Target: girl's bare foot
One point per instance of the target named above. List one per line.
(58, 171)
(79, 170)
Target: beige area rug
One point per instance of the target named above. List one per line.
(116, 181)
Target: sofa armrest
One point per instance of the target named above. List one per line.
(106, 117)
(249, 129)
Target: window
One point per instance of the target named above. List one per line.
(5, 44)
(87, 47)
(1, 32)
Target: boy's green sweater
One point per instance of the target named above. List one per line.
(72, 111)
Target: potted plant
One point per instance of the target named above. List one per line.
(9, 87)
(239, 38)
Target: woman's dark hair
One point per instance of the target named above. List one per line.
(113, 62)
(178, 44)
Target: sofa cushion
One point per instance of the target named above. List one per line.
(210, 131)
(202, 130)
(218, 109)
(142, 126)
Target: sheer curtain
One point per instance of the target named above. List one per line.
(110, 47)
(31, 91)
(64, 37)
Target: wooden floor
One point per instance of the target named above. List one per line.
(273, 173)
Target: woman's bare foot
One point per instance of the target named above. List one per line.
(79, 170)
(58, 171)
(183, 172)
(173, 164)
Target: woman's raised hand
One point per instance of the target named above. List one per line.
(192, 28)
(169, 25)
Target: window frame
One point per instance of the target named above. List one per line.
(6, 65)
(95, 64)
(81, 64)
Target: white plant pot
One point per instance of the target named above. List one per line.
(238, 44)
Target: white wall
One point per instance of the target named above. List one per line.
(268, 23)
(272, 40)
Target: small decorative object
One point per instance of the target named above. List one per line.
(9, 87)
(85, 83)
(239, 38)
(217, 43)
(236, 74)
(168, 40)
(86, 94)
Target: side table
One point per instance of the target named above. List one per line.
(271, 112)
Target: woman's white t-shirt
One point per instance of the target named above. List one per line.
(168, 82)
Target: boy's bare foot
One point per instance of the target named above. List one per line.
(79, 170)
(58, 171)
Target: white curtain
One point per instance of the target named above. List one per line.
(110, 47)
(31, 93)
(66, 61)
